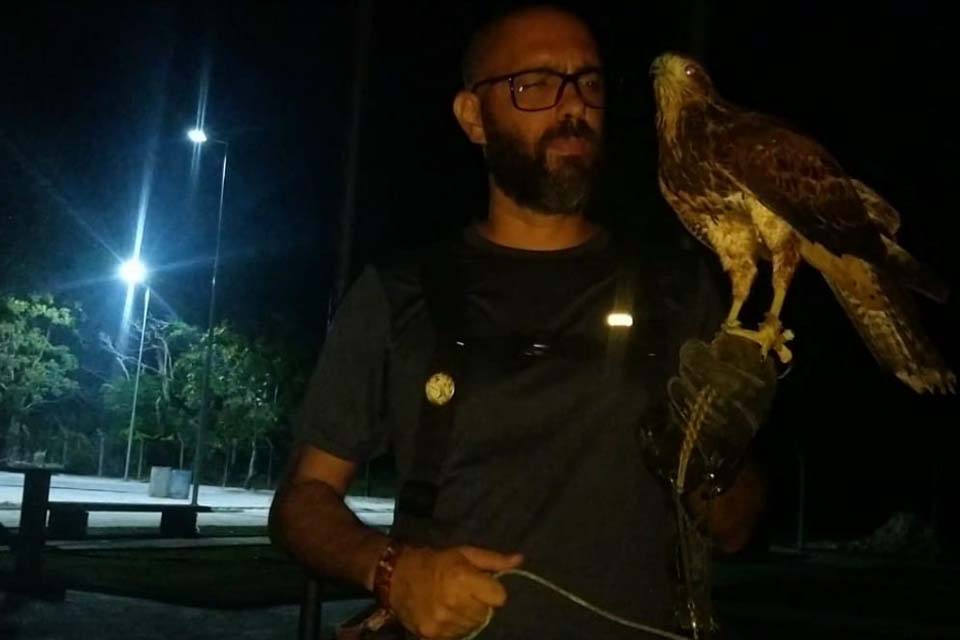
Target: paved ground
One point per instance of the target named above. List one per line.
(93, 616)
(232, 507)
(791, 597)
(801, 598)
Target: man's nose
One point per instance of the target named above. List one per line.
(571, 102)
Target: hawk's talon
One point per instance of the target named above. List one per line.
(783, 353)
(770, 335)
(753, 336)
(778, 342)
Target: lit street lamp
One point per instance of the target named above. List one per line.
(198, 136)
(133, 272)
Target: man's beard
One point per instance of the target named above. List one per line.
(527, 179)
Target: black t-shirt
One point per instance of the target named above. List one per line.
(544, 456)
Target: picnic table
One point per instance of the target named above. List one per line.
(69, 520)
(28, 559)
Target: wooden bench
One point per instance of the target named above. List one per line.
(68, 520)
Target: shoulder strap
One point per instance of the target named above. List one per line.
(622, 319)
(642, 354)
(443, 294)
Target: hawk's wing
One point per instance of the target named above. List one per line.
(879, 210)
(799, 181)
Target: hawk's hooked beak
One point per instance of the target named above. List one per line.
(656, 67)
(659, 64)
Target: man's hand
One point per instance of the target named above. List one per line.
(731, 517)
(447, 594)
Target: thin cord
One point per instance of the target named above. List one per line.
(578, 600)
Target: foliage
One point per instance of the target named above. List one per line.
(37, 364)
(49, 404)
(251, 389)
(161, 413)
(244, 386)
(117, 397)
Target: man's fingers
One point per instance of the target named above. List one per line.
(455, 622)
(486, 589)
(490, 560)
(475, 611)
(461, 622)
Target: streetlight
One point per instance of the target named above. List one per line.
(133, 272)
(198, 136)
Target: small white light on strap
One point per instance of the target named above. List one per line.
(620, 320)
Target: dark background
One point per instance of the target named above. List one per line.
(96, 99)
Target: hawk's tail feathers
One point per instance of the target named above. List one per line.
(890, 327)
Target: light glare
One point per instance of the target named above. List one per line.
(620, 320)
(133, 271)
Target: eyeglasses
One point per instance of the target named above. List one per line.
(541, 89)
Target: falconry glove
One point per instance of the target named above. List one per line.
(717, 402)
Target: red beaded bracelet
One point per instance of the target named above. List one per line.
(383, 576)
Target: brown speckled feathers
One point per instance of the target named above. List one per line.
(750, 188)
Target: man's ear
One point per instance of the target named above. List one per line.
(466, 107)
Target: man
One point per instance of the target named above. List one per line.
(535, 403)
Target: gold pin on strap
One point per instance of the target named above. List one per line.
(440, 388)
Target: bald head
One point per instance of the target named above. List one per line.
(495, 46)
(541, 159)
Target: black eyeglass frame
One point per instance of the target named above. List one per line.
(565, 79)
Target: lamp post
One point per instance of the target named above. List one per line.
(198, 136)
(133, 273)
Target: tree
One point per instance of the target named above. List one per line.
(255, 401)
(163, 412)
(251, 388)
(117, 397)
(62, 429)
(37, 366)
(245, 403)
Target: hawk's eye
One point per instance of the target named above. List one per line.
(690, 70)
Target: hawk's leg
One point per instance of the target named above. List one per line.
(771, 334)
(742, 273)
(785, 261)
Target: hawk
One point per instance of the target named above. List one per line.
(751, 187)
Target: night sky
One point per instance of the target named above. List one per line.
(97, 98)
